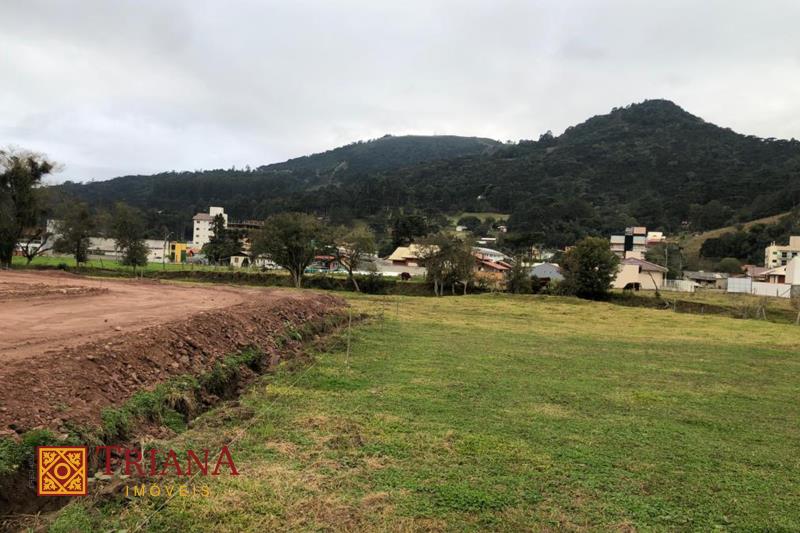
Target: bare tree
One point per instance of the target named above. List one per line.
(350, 247)
(37, 242)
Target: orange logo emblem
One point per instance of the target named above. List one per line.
(62, 470)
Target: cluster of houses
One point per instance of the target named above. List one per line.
(779, 277)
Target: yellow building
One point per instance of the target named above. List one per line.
(178, 251)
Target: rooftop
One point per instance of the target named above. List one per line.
(647, 266)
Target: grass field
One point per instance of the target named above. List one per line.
(111, 264)
(779, 310)
(506, 413)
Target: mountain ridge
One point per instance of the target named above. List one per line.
(650, 163)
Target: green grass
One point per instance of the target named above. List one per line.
(779, 310)
(499, 412)
(110, 264)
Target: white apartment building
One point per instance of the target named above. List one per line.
(203, 225)
(777, 255)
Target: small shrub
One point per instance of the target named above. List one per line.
(374, 283)
(13, 454)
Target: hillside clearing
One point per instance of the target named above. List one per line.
(695, 242)
(507, 413)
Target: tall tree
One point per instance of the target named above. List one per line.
(448, 261)
(223, 244)
(589, 268)
(518, 279)
(21, 174)
(74, 227)
(350, 247)
(405, 228)
(128, 231)
(291, 240)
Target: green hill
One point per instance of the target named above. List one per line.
(651, 164)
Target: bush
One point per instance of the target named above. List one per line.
(518, 281)
(589, 269)
(374, 283)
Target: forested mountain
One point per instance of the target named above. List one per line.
(171, 198)
(651, 163)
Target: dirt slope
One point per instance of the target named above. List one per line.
(67, 355)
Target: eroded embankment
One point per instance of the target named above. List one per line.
(74, 385)
(71, 394)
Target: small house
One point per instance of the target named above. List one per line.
(638, 274)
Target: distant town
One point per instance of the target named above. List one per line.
(779, 276)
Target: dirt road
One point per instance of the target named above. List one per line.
(42, 312)
(71, 346)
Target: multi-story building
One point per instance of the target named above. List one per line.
(632, 244)
(243, 228)
(203, 225)
(777, 255)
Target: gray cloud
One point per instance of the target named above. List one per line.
(116, 87)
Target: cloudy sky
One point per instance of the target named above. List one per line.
(116, 87)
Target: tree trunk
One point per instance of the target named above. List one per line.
(353, 279)
(465, 288)
(797, 320)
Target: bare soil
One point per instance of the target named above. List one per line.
(71, 346)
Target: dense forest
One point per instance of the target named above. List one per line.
(651, 164)
(170, 199)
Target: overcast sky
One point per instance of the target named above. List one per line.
(108, 88)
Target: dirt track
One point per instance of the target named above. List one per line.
(46, 312)
(72, 346)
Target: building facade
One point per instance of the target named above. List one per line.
(203, 225)
(777, 255)
(104, 248)
(632, 244)
(638, 274)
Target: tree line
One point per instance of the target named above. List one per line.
(293, 240)
(26, 205)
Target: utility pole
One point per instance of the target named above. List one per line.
(167, 235)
